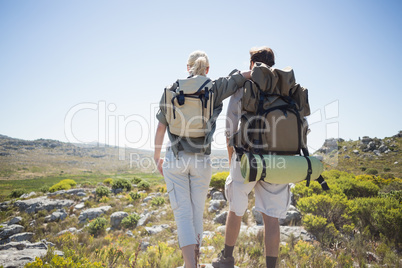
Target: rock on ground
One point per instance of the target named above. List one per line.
(36, 204)
(221, 218)
(60, 214)
(17, 254)
(156, 229)
(9, 230)
(116, 218)
(92, 213)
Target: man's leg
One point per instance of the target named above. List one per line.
(272, 200)
(233, 223)
(237, 195)
(272, 239)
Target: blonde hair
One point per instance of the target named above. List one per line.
(198, 63)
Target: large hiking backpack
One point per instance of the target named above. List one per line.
(189, 106)
(273, 120)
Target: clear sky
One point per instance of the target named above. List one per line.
(95, 70)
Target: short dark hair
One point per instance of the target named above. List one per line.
(262, 54)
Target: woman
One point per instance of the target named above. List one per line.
(187, 169)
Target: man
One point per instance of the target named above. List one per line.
(272, 200)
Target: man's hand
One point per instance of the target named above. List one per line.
(159, 165)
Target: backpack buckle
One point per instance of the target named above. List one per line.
(180, 98)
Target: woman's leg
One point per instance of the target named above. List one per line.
(200, 177)
(177, 178)
(189, 256)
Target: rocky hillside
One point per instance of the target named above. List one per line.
(35, 224)
(365, 156)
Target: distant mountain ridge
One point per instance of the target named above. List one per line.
(22, 159)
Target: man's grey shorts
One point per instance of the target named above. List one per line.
(271, 199)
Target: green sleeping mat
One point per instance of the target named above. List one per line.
(279, 169)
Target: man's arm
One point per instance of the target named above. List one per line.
(232, 120)
(159, 136)
(230, 150)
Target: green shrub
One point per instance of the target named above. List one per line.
(358, 188)
(17, 193)
(387, 175)
(143, 185)
(372, 171)
(44, 189)
(382, 216)
(87, 184)
(136, 180)
(62, 185)
(158, 201)
(102, 191)
(334, 208)
(108, 181)
(393, 194)
(121, 184)
(218, 180)
(386, 169)
(130, 221)
(363, 168)
(393, 186)
(318, 226)
(135, 195)
(97, 226)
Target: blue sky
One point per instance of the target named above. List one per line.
(95, 70)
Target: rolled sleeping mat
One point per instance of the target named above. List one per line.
(279, 169)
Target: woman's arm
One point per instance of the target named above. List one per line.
(160, 134)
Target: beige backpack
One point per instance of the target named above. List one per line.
(189, 106)
(273, 111)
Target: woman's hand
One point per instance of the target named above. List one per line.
(159, 165)
(160, 133)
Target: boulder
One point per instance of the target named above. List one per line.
(297, 231)
(257, 217)
(9, 230)
(60, 214)
(21, 237)
(156, 229)
(36, 204)
(143, 218)
(28, 195)
(80, 206)
(17, 254)
(221, 218)
(14, 220)
(382, 148)
(144, 245)
(147, 199)
(293, 217)
(215, 205)
(77, 191)
(5, 205)
(72, 230)
(218, 196)
(366, 139)
(116, 218)
(92, 213)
